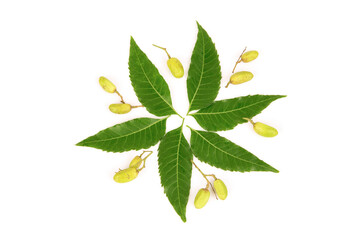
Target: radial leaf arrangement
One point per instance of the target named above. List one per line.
(175, 153)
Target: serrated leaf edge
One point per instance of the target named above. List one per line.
(271, 168)
(202, 68)
(137, 55)
(183, 210)
(121, 136)
(234, 110)
(177, 172)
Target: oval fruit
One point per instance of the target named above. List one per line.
(107, 85)
(176, 68)
(136, 162)
(126, 175)
(249, 56)
(120, 108)
(241, 77)
(202, 197)
(265, 130)
(220, 189)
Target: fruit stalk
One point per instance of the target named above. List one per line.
(239, 60)
(251, 121)
(150, 152)
(162, 49)
(122, 99)
(204, 175)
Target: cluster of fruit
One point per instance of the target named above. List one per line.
(129, 174)
(219, 188)
(176, 69)
(118, 108)
(245, 76)
(203, 195)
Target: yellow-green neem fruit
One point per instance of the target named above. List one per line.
(136, 162)
(220, 189)
(249, 56)
(120, 108)
(176, 68)
(265, 130)
(107, 85)
(202, 197)
(241, 77)
(126, 175)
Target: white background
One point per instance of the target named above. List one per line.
(51, 55)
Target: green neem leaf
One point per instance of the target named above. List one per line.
(219, 152)
(136, 134)
(175, 169)
(150, 87)
(226, 114)
(204, 74)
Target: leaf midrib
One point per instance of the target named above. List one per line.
(137, 55)
(122, 136)
(177, 168)
(241, 159)
(233, 110)
(202, 71)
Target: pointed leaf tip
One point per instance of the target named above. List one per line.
(198, 24)
(132, 40)
(204, 75)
